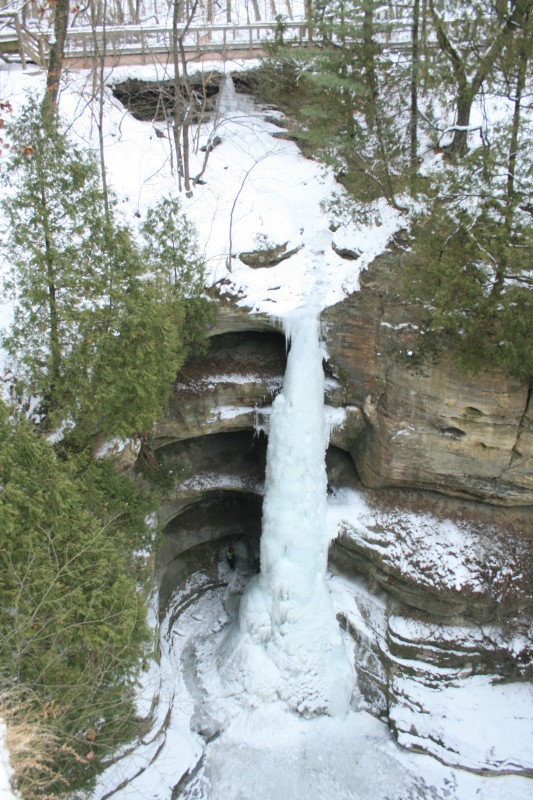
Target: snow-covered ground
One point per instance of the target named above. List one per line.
(6, 792)
(268, 752)
(260, 189)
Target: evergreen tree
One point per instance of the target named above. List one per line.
(348, 98)
(97, 336)
(471, 271)
(170, 253)
(72, 617)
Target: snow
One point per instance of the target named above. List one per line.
(437, 553)
(288, 645)
(257, 186)
(335, 418)
(6, 793)
(115, 446)
(482, 723)
(268, 752)
(260, 188)
(232, 412)
(236, 378)
(169, 741)
(202, 481)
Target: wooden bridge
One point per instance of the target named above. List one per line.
(143, 43)
(217, 34)
(16, 39)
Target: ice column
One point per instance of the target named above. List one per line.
(288, 645)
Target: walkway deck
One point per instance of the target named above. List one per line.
(145, 43)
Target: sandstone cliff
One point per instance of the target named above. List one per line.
(432, 427)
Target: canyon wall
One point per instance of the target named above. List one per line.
(441, 585)
(431, 427)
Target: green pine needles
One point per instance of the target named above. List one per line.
(388, 105)
(471, 270)
(73, 581)
(101, 324)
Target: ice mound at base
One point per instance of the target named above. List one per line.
(287, 644)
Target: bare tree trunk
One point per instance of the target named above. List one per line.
(98, 88)
(134, 11)
(511, 198)
(424, 32)
(309, 18)
(120, 12)
(52, 304)
(524, 21)
(415, 60)
(96, 13)
(464, 101)
(467, 89)
(101, 90)
(183, 95)
(369, 63)
(515, 127)
(57, 51)
(186, 121)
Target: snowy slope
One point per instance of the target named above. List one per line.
(262, 189)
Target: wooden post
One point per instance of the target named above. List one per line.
(42, 54)
(20, 40)
(309, 16)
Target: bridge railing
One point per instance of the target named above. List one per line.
(116, 40)
(16, 38)
(144, 39)
(86, 42)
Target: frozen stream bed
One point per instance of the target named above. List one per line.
(205, 745)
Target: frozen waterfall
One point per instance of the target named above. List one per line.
(288, 644)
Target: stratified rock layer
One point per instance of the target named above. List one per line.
(437, 592)
(432, 427)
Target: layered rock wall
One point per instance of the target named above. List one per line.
(431, 427)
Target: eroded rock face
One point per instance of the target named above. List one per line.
(220, 462)
(432, 428)
(428, 680)
(191, 541)
(436, 591)
(454, 563)
(437, 598)
(149, 100)
(226, 389)
(232, 387)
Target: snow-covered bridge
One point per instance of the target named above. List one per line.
(142, 30)
(210, 32)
